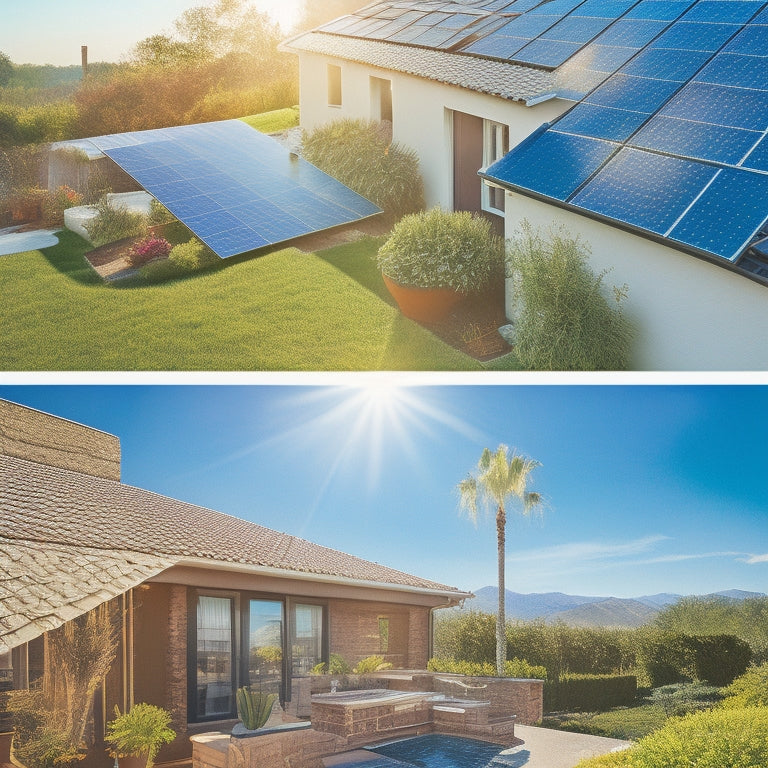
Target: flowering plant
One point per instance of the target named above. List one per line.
(149, 248)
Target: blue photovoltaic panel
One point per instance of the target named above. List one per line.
(558, 8)
(609, 9)
(552, 164)
(734, 11)
(734, 69)
(661, 64)
(638, 94)
(752, 40)
(659, 10)
(601, 58)
(498, 46)
(703, 141)
(235, 188)
(728, 214)
(530, 25)
(644, 189)
(688, 36)
(758, 157)
(600, 122)
(546, 53)
(721, 105)
(576, 29)
(631, 33)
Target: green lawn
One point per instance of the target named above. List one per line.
(286, 310)
(272, 122)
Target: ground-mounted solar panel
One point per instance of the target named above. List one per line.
(692, 139)
(600, 122)
(644, 190)
(235, 188)
(553, 164)
(726, 217)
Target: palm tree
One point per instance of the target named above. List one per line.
(497, 478)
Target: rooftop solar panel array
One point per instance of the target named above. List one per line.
(681, 128)
(235, 188)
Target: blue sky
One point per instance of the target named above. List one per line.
(52, 31)
(648, 488)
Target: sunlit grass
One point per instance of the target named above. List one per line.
(272, 122)
(286, 310)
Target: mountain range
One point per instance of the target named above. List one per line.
(582, 610)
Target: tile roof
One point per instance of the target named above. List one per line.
(47, 513)
(497, 78)
(42, 586)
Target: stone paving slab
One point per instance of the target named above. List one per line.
(547, 748)
(13, 240)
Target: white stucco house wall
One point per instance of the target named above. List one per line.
(461, 111)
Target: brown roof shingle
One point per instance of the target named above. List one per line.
(44, 504)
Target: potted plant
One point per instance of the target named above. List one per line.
(137, 735)
(254, 709)
(433, 259)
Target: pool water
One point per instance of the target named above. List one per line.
(437, 751)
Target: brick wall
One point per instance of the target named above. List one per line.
(354, 631)
(45, 439)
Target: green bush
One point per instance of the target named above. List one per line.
(361, 155)
(590, 693)
(371, 664)
(718, 659)
(748, 690)
(664, 657)
(563, 322)
(519, 668)
(113, 223)
(193, 255)
(718, 738)
(682, 698)
(141, 731)
(159, 214)
(440, 249)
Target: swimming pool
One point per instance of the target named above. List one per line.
(438, 751)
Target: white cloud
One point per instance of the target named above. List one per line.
(586, 551)
(752, 559)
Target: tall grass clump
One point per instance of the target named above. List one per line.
(439, 249)
(113, 223)
(563, 320)
(362, 155)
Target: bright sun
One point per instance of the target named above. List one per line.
(285, 12)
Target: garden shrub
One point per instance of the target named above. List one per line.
(113, 223)
(159, 214)
(519, 668)
(56, 202)
(748, 690)
(151, 247)
(440, 249)
(663, 657)
(682, 698)
(563, 321)
(193, 255)
(717, 738)
(718, 659)
(371, 664)
(361, 155)
(590, 693)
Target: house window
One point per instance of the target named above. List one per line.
(495, 146)
(334, 85)
(381, 99)
(215, 654)
(307, 638)
(383, 634)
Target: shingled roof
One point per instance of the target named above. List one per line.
(497, 78)
(67, 537)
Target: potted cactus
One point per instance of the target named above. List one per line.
(253, 709)
(137, 735)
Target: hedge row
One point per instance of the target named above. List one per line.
(589, 693)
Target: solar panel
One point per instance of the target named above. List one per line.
(546, 53)
(735, 11)
(555, 164)
(576, 29)
(721, 105)
(600, 122)
(632, 33)
(638, 94)
(644, 189)
(758, 157)
(728, 214)
(736, 69)
(703, 141)
(657, 63)
(690, 36)
(235, 188)
(659, 10)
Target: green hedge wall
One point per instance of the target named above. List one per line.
(589, 693)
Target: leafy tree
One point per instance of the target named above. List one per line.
(6, 69)
(497, 479)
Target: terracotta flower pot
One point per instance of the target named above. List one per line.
(425, 305)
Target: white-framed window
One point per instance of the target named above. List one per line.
(334, 85)
(495, 146)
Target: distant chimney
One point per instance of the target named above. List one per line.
(84, 59)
